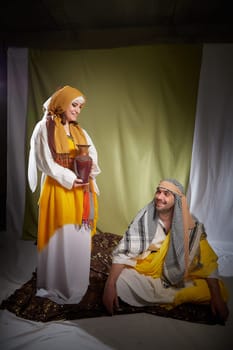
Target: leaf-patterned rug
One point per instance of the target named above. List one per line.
(25, 304)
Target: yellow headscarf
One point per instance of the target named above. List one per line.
(61, 99)
(58, 104)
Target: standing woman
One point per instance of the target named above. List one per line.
(67, 209)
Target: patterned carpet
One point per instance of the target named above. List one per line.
(25, 304)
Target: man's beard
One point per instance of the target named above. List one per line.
(163, 210)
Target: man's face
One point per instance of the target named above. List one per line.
(164, 200)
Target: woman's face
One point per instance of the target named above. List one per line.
(73, 111)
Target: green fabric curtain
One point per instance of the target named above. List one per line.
(140, 113)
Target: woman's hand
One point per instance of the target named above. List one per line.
(77, 183)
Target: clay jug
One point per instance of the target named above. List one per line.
(83, 163)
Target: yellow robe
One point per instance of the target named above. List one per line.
(60, 206)
(197, 291)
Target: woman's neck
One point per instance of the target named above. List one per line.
(67, 128)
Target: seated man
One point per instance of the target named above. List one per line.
(164, 257)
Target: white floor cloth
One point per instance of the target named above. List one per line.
(24, 334)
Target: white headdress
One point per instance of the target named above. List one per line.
(32, 168)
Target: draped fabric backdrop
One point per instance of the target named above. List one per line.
(140, 112)
(153, 111)
(17, 90)
(211, 180)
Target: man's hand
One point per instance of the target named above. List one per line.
(218, 305)
(219, 309)
(110, 298)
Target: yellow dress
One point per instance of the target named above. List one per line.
(64, 244)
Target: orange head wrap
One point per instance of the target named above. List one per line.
(61, 99)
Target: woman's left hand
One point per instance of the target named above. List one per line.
(77, 183)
